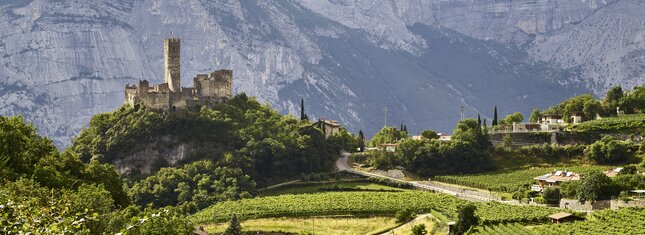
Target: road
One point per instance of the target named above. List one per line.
(462, 193)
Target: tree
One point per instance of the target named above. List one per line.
(387, 135)
(516, 117)
(551, 195)
(361, 141)
(405, 129)
(430, 134)
(404, 215)
(494, 117)
(596, 186)
(609, 150)
(465, 220)
(612, 100)
(479, 120)
(234, 227)
(535, 116)
(419, 229)
(303, 115)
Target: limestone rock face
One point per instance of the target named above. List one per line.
(63, 61)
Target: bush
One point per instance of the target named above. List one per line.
(404, 215)
(596, 186)
(608, 150)
(419, 229)
(539, 200)
(551, 195)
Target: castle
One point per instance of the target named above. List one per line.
(208, 89)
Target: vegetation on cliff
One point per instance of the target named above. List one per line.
(241, 133)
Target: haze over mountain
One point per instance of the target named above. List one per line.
(63, 61)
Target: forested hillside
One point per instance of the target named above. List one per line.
(237, 146)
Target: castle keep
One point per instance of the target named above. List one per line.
(208, 89)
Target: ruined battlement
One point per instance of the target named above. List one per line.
(208, 89)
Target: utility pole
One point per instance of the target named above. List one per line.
(385, 116)
(463, 116)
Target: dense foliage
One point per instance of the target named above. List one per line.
(192, 186)
(582, 103)
(628, 102)
(364, 203)
(387, 135)
(551, 195)
(45, 192)
(596, 186)
(467, 152)
(516, 117)
(609, 150)
(241, 133)
(465, 220)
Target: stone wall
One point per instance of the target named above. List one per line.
(587, 206)
(617, 204)
(539, 138)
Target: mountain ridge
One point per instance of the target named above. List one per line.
(66, 61)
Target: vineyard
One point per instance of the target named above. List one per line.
(363, 204)
(623, 221)
(631, 122)
(511, 229)
(509, 181)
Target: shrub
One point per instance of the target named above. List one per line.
(608, 150)
(551, 195)
(419, 229)
(404, 215)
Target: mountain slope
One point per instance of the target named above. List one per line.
(64, 61)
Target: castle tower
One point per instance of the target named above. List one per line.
(171, 52)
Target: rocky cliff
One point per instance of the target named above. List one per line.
(63, 61)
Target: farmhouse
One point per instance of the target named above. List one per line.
(554, 179)
(329, 127)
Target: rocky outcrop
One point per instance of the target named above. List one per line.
(63, 61)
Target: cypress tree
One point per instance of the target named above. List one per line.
(405, 128)
(495, 117)
(401, 128)
(234, 227)
(361, 141)
(479, 120)
(303, 116)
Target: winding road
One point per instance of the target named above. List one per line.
(462, 193)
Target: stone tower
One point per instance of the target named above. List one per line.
(171, 52)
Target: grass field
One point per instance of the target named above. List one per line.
(318, 187)
(406, 229)
(313, 225)
(509, 181)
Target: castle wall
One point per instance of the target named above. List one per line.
(208, 88)
(172, 63)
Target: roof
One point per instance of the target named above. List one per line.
(329, 122)
(560, 215)
(613, 172)
(577, 114)
(558, 176)
(638, 191)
